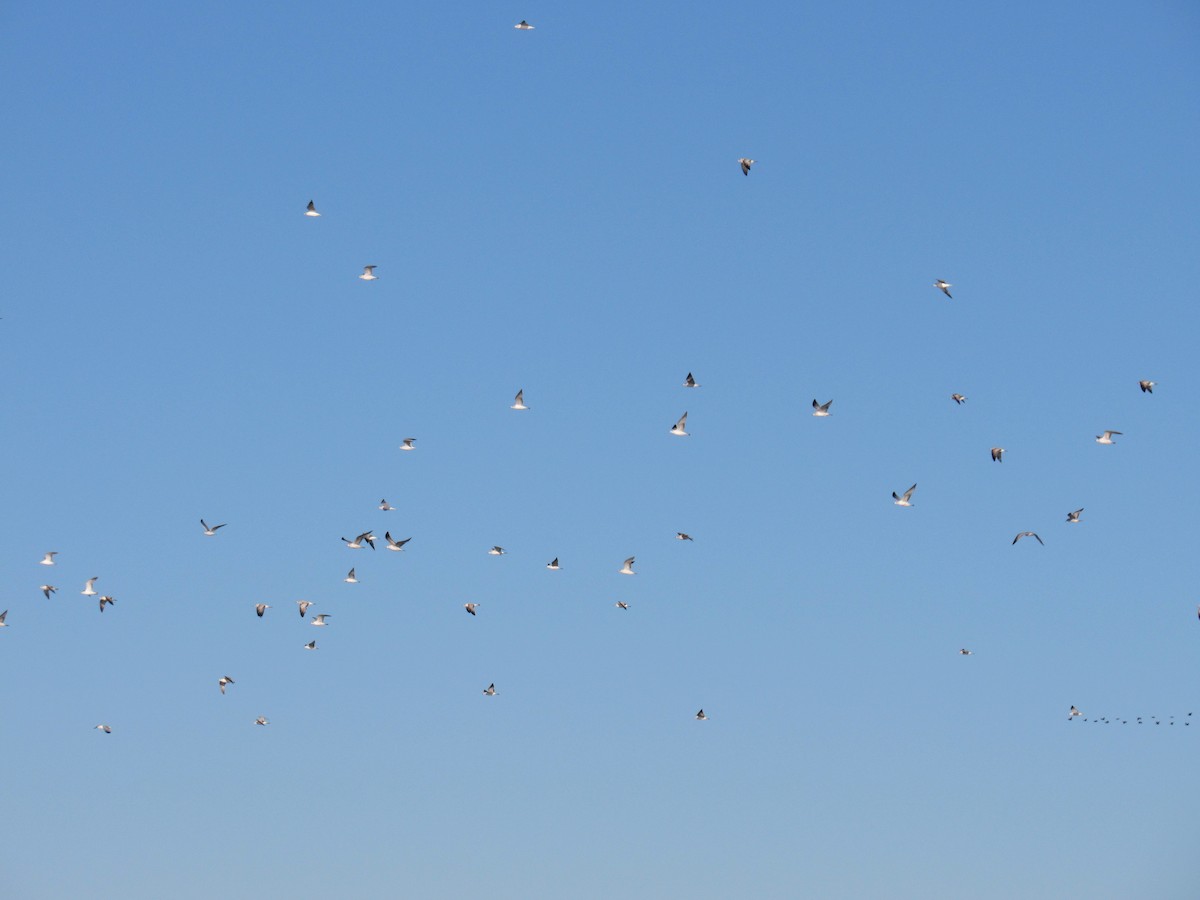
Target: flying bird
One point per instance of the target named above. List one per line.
(385, 506)
(553, 565)
(408, 444)
(821, 409)
(369, 273)
(304, 605)
(3, 624)
(944, 287)
(745, 164)
(523, 26)
(1074, 516)
(490, 690)
(311, 645)
(104, 728)
(260, 608)
(222, 681)
(680, 536)
(1106, 438)
(311, 209)
(48, 559)
(1147, 386)
(958, 398)
(627, 569)
(701, 716)
(966, 652)
(48, 589)
(519, 400)
(319, 620)
(89, 589)
(997, 454)
(351, 578)
(1029, 534)
(621, 604)
(497, 551)
(678, 429)
(1073, 713)
(906, 500)
(471, 607)
(210, 530)
(357, 543)
(261, 720)
(690, 381)
(395, 545)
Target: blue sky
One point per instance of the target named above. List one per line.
(561, 211)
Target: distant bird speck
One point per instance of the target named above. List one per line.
(260, 608)
(48, 589)
(1029, 534)
(48, 559)
(1074, 516)
(690, 381)
(524, 26)
(701, 716)
(369, 273)
(519, 400)
(681, 536)
(627, 568)
(1106, 438)
(210, 530)
(471, 607)
(408, 444)
(224, 680)
(553, 565)
(678, 428)
(311, 210)
(1147, 386)
(998, 454)
(958, 398)
(906, 499)
(821, 409)
(944, 287)
(746, 164)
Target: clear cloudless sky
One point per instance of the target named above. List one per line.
(561, 210)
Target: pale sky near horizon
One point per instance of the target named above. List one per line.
(562, 211)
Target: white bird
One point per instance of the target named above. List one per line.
(1074, 516)
(965, 652)
(3, 624)
(627, 569)
(690, 381)
(1029, 534)
(497, 551)
(408, 444)
(701, 716)
(395, 545)
(1106, 438)
(311, 645)
(471, 607)
(1074, 712)
(553, 565)
(89, 589)
(519, 400)
(958, 398)
(357, 543)
(368, 273)
(490, 690)
(385, 506)
(48, 559)
(1147, 386)
(821, 409)
(621, 604)
(210, 530)
(351, 579)
(304, 605)
(222, 681)
(745, 164)
(523, 26)
(261, 720)
(319, 620)
(679, 426)
(311, 210)
(944, 287)
(997, 454)
(104, 728)
(680, 536)
(48, 589)
(906, 500)
(260, 608)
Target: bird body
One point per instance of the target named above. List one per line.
(701, 716)
(523, 26)
(261, 720)
(1029, 534)
(311, 645)
(210, 530)
(905, 500)
(966, 652)
(351, 578)
(621, 604)
(48, 559)
(690, 381)
(745, 164)
(1106, 438)
(958, 398)
(519, 400)
(304, 605)
(944, 287)
(222, 681)
(260, 608)
(320, 620)
(998, 454)
(3, 616)
(627, 569)
(1147, 386)
(497, 551)
(104, 728)
(553, 565)
(385, 506)
(471, 607)
(490, 690)
(408, 444)
(1074, 516)
(311, 209)
(393, 544)
(821, 409)
(678, 428)
(103, 600)
(89, 589)
(48, 589)
(368, 273)
(681, 536)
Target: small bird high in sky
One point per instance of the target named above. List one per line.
(223, 681)
(89, 589)
(407, 444)
(471, 607)
(1074, 516)
(519, 400)
(682, 536)
(260, 608)
(627, 568)
(106, 600)
(958, 398)
(210, 530)
(497, 551)
(906, 499)
(1147, 386)
(385, 506)
(944, 287)
(1106, 438)
(822, 409)
(678, 427)
(746, 164)
(48, 589)
(48, 559)
(700, 716)
(553, 565)
(368, 273)
(311, 209)
(320, 620)
(1029, 534)
(690, 381)
(523, 26)
(998, 454)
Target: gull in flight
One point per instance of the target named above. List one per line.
(408, 444)
(1147, 386)
(385, 506)
(471, 607)
(966, 652)
(104, 728)
(304, 605)
(523, 26)
(351, 579)
(1074, 516)
(3, 624)
(311, 645)
(48, 559)
(490, 690)
(311, 210)
(89, 589)
(821, 409)
(109, 600)
(1073, 713)
(368, 273)
(357, 543)
(519, 400)
(497, 551)
(319, 620)
(701, 716)
(745, 164)
(48, 589)
(222, 681)
(679, 426)
(627, 569)
(260, 608)
(262, 720)
(958, 398)
(944, 287)
(690, 381)
(997, 454)
(906, 500)
(1029, 534)
(553, 565)
(621, 604)
(680, 536)
(1106, 438)
(395, 545)
(210, 530)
